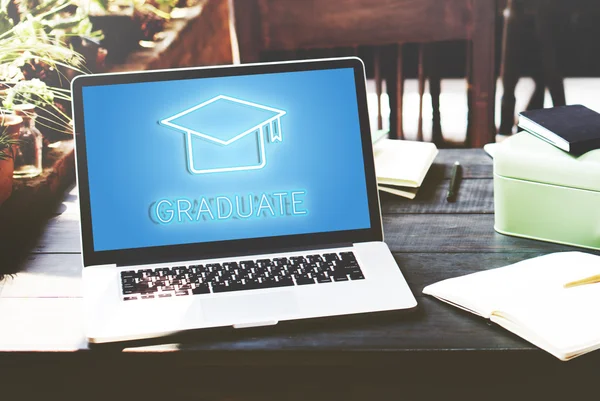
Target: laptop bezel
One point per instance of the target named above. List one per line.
(196, 251)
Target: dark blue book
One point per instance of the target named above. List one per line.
(573, 128)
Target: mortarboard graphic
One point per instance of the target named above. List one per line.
(227, 134)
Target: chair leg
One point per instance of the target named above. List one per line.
(399, 92)
(378, 85)
(482, 129)
(511, 46)
(433, 75)
(421, 78)
(395, 89)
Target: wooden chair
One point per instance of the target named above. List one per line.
(264, 26)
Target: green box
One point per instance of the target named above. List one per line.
(543, 193)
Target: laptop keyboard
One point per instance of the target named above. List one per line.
(236, 276)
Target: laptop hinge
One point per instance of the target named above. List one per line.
(246, 253)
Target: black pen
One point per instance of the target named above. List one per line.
(454, 182)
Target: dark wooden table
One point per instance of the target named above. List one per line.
(434, 352)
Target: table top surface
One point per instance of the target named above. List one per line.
(431, 239)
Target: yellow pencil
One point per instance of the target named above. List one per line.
(587, 280)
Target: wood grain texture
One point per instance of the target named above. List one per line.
(70, 204)
(61, 235)
(438, 170)
(290, 25)
(468, 158)
(474, 196)
(483, 78)
(46, 276)
(470, 233)
(247, 23)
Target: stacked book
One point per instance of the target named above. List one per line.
(573, 128)
(402, 165)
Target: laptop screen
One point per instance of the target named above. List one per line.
(224, 158)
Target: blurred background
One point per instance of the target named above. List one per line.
(455, 72)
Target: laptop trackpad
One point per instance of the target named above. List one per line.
(250, 308)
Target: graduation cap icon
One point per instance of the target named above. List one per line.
(227, 134)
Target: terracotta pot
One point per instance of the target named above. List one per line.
(9, 124)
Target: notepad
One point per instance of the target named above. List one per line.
(400, 163)
(406, 192)
(529, 298)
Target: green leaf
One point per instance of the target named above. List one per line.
(6, 23)
(102, 3)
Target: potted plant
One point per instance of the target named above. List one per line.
(32, 64)
(9, 127)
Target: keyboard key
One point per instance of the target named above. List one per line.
(304, 281)
(314, 258)
(296, 260)
(230, 266)
(283, 282)
(221, 287)
(340, 278)
(237, 276)
(213, 267)
(247, 264)
(356, 275)
(331, 257)
(347, 256)
(264, 263)
(201, 289)
(321, 278)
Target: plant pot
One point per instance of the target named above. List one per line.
(6, 178)
(9, 125)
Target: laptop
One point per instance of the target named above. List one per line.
(236, 196)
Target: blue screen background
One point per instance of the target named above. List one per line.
(133, 161)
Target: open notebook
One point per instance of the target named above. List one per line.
(529, 299)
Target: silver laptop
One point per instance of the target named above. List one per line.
(235, 196)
